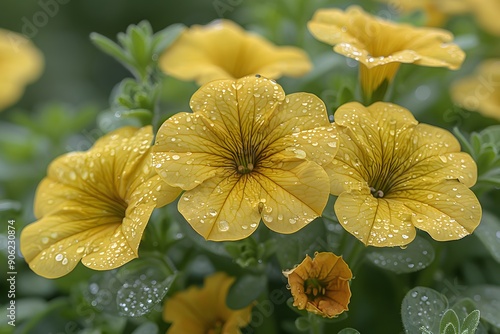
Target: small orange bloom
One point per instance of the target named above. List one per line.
(321, 285)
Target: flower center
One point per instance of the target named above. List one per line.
(245, 161)
(217, 328)
(313, 288)
(376, 193)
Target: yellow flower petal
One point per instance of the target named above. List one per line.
(246, 153)
(377, 222)
(94, 206)
(20, 63)
(223, 50)
(446, 210)
(388, 166)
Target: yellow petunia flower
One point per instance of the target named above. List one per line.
(381, 46)
(480, 91)
(223, 50)
(94, 206)
(321, 285)
(486, 13)
(20, 63)
(392, 174)
(247, 152)
(204, 310)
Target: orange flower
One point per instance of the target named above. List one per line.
(204, 310)
(321, 285)
(223, 50)
(381, 46)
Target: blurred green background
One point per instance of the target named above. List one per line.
(61, 112)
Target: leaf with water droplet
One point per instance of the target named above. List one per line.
(487, 300)
(416, 256)
(423, 307)
(132, 290)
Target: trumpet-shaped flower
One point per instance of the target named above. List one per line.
(392, 174)
(204, 310)
(321, 285)
(94, 206)
(247, 152)
(20, 64)
(481, 91)
(381, 46)
(223, 50)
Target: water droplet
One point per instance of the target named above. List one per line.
(267, 218)
(59, 257)
(223, 226)
(80, 250)
(175, 157)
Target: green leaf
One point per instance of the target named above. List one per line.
(245, 290)
(449, 329)
(471, 322)
(110, 48)
(164, 38)
(423, 307)
(449, 318)
(488, 232)
(416, 256)
(147, 328)
(348, 331)
(487, 300)
(133, 290)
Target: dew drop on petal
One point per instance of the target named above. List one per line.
(175, 157)
(223, 226)
(59, 257)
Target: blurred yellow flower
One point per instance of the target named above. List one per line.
(480, 91)
(392, 174)
(94, 206)
(247, 152)
(204, 310)
(321, 285)
(485, 12)
(223, 50)
(20, 63)
(434, 13)
(381, 46)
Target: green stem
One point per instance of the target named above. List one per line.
(316, 324)
(354, 257)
